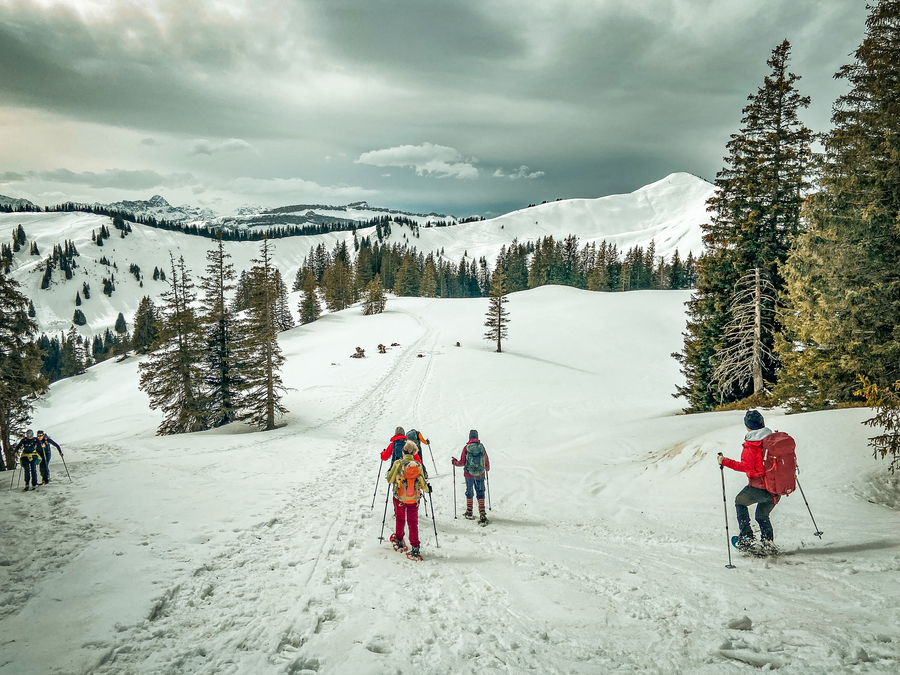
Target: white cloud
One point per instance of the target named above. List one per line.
(521, 172)
(204, 147)
(427, 158)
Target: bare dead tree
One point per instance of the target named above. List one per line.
(752, 310)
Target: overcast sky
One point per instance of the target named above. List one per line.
(459, 107)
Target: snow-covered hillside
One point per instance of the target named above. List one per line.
(668, 212)
(230, 551)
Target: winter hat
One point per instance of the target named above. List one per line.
(399, 431)
(473, 434)
(753, 420)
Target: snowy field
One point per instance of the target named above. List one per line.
(232, 551)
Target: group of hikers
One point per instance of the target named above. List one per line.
(409, 479)
(33, 453)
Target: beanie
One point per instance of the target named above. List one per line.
(399, 431)
(753, 420)
(473, 434)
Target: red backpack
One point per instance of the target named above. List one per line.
(779, 463)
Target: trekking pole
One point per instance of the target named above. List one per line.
(432, 463)
(66, 468)
(377, 480)
(817, 533)
(12, 478)
(384, 518)
(454, 492)
(729, 566)
(434, 522)
(487, 478)
(19, 476)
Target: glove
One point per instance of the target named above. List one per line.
(428, 485)
(427, 442)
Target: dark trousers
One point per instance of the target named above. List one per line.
(475, 485)
(407, 514)
(29, 468)
(765, 502)
(45, 464)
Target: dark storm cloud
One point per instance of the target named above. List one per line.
(593, 96)
(111, 178)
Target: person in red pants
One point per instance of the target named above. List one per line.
(409, 483)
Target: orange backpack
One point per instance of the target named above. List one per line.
(407, 484)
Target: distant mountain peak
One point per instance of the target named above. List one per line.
(157, 201)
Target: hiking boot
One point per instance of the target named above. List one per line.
(414, 551)
(744, 543)
(483, 517)
(27, 488)
(767, 547)
(468, 514)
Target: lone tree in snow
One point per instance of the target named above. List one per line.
(497, 315)
(375, 300)
(752, 312)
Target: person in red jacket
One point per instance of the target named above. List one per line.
(394, 449)
(755, 493)
(475, 460)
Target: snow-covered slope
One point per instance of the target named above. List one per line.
(232, 552)
(668, 212)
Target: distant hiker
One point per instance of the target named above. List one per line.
(475, 460)
(44, 443)
(394, 450)
(417, 438)
(29, 457)
(755, 493)
(406, 477)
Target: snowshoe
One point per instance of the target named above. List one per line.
(743, 544)
(764, 549)
(27, 488)
(398, 545)
(413, 554)
(483, 519)
(469, 515)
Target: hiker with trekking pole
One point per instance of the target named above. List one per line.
(408, 482)
(770, 462)
(393, 452)
(476, 465)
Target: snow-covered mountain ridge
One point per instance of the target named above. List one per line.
(668, 212)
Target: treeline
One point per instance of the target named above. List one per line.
(797, 296)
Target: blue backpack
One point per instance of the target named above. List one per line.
(397, 449)
(475, 459)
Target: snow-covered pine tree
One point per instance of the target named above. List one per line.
(375, 299)
(20, 364)
(843, 276)
(78, 318)
(260, 358)
(172, 375)
(428, 282)
(71, 354)
(755, 213)
(222, 336)
(309, 308)
(497, 314)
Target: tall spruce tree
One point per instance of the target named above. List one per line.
(497, 314)
(375, 300)
(222, 336)
(260, 359)
(755, 212)
(172, 376)
(20, 365)
(310, 309)
(843, 277)
(146, 326)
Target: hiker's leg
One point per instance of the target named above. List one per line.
(399, 518)
(763, 509)
(744, 499)
(470, 491)
(412, 515)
